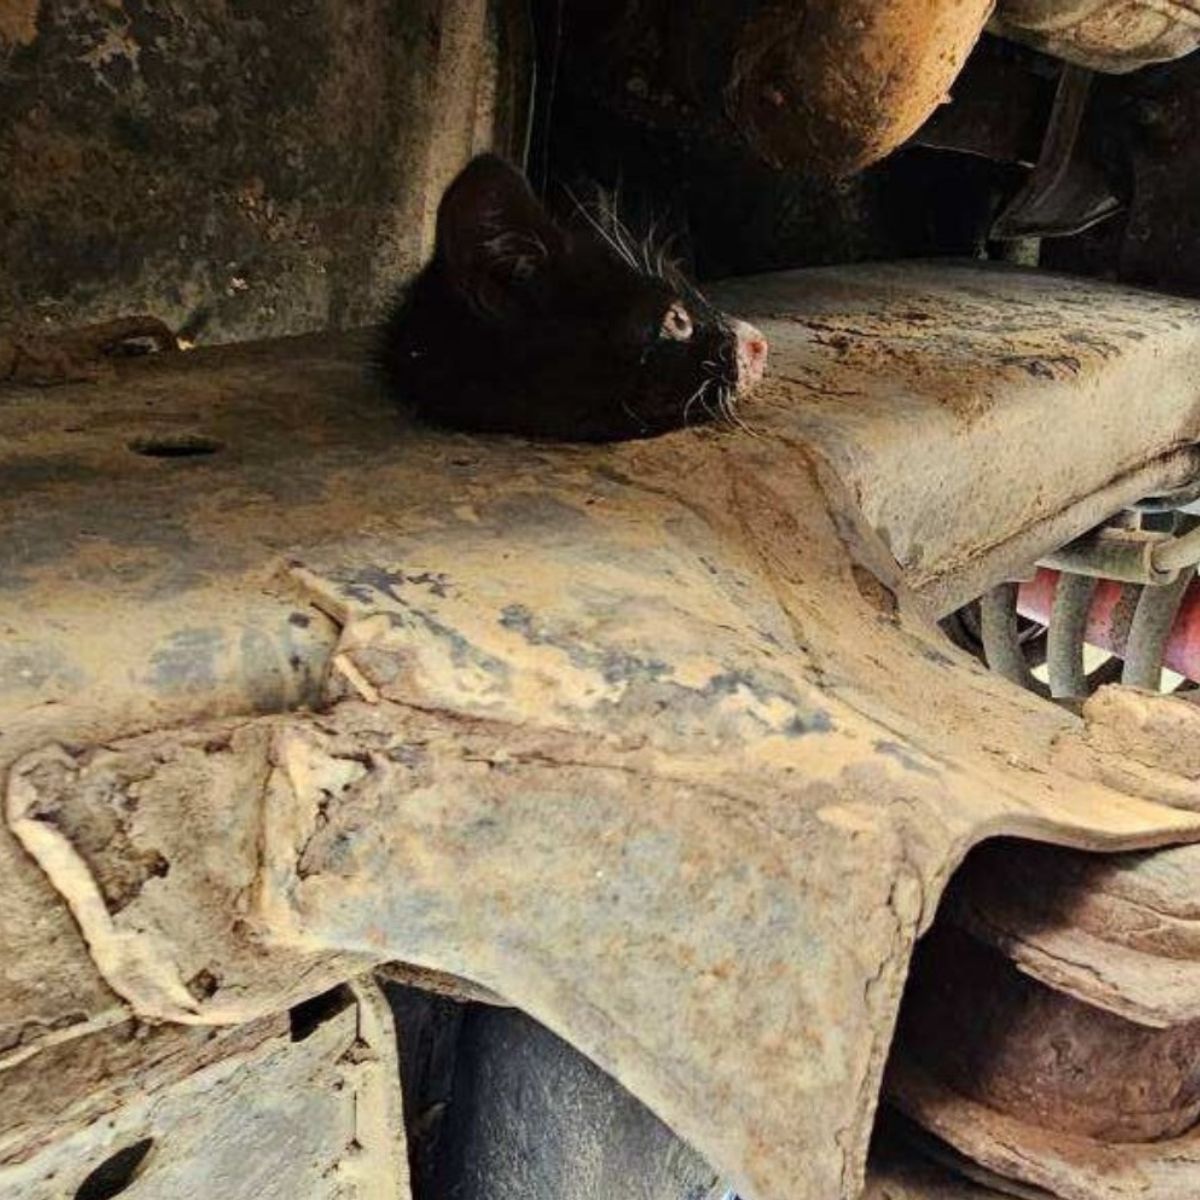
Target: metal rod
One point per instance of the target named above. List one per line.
(1157, 608)
(1178, 553)
(1065, 636)
(1127, 555)
(1001, 638)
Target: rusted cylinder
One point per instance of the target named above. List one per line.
(1128, 556)
(992, 1034)
(1001, 637)
(834, 85)
(1110, 616)
(1066, 635)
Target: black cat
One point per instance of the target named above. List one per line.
(521, 326)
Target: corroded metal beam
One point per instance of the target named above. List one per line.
(656, 741)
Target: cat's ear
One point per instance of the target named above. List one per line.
(493, 235)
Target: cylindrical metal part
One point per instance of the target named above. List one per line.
(1065, 636)
(833, 87)
(1156, 611)
(1001, 638)
(1128, 555)
(1178, 553)
(1110, 617)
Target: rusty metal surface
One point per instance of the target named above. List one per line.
(257, 1113)
(920, 385)
(828, 86)
(648, 708)
(1050, 1022)
(1119, 933)
(657, 892)
(1106, 35)
(839, 85)
(926, 385)
(238, 172)
(984, 1028)
(1062, 1165)
(909, 1165)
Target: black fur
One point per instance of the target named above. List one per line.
(519, 325)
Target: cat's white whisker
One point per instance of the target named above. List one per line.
(621, 251)
(633, 416)
(698, 394)
(666, 264)
(647, 244)
(615, 239)
(732, 415)
(626, 238)
(641, 255)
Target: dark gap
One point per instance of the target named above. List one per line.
(115, 1173)
(182, 445)
(309, 1015)
(428, 1028)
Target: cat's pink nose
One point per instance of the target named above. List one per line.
(752, 350)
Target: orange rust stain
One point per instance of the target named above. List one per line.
(18, 21)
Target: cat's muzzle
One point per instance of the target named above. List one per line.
(752, 350)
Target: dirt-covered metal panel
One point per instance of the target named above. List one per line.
(653, 740)
(238, 168)
(279, 1109)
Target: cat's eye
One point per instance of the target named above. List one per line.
(676, 324)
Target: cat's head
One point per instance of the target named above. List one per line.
(521, 325)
